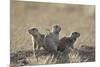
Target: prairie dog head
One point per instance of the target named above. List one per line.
(56, 28)
(33, 31)
(75, 35)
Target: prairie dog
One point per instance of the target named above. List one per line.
(67, 42)
(37, 38)
(51, 40)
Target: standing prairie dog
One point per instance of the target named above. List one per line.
(37, 38)
(51, 40)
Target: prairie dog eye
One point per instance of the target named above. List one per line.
(75, 34)
(33, 31)
(56, 28)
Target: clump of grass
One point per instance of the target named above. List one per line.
(41, 60)
(74, 57)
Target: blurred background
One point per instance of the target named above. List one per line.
(70, 17)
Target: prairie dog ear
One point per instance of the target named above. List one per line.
(33, 30)
(56, 26)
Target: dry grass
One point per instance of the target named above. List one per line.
(80, 18)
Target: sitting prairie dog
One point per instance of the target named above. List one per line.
(68, 42)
